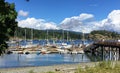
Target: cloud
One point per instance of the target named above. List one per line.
(81, 23)
(40, 24)
(112, 22)
(86, 23)
(23, 13)
(77, 23)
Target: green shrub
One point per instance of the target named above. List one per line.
(50, 72)
(31, 71)
(102, 67)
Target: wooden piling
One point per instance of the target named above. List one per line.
(113, 50)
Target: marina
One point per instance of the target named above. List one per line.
(42, 55)
(42, 46)
(47, 55)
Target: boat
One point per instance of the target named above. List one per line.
(44, 51)
(74, 52)
(80, 52)
(27, 53)
(64, 45)
(37, 53)
(9, 52)
(62, 51)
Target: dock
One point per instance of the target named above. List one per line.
(105, 50)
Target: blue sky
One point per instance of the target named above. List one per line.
(57, 10)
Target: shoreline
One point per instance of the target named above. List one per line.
(64, 68)
(43, 69)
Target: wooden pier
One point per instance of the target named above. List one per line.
(105, 50)
(106, 43)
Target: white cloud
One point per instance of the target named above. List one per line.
(77, 23)
(23, 13)
(37, 24)
(82, 23)
(114, 16)
(85, 16)
(112, 22)
(86, 23)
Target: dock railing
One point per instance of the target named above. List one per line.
(115, 43)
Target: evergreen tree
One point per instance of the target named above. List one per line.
(8, 23)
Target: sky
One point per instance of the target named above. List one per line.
(74, 15)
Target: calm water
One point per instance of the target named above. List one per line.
(22, 60)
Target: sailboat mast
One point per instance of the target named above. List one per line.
(25, 36)
(63, 35)
(53, 38)
(15, 35)
(83, 39)
(53, 34)
(67, 35)
(31, 34)
(47, 35)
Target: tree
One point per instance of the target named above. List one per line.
(8, 23)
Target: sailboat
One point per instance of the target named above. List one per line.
(29, 44)
(63, 48)
(65, 45)
(48, 43)
(53, 44)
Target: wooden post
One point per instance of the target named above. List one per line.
(109, 52)
(112, 53)
(116, 54)
(119, 53)
(102, 53)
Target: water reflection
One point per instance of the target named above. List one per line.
(21, 60)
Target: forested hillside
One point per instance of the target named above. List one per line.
(44, 34)
(58, 34)
(103, 34)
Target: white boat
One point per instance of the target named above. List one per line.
(65, 46)
(11, 42)
(74, 52)
(80, 52)
(44, 51)
(62, 50)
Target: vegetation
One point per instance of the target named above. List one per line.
(50, 72)
(103, 34)
(42, 34)
(102, 67)
(31, 71)
(58, 34)
(8, 23)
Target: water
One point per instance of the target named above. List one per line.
(22, 60)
